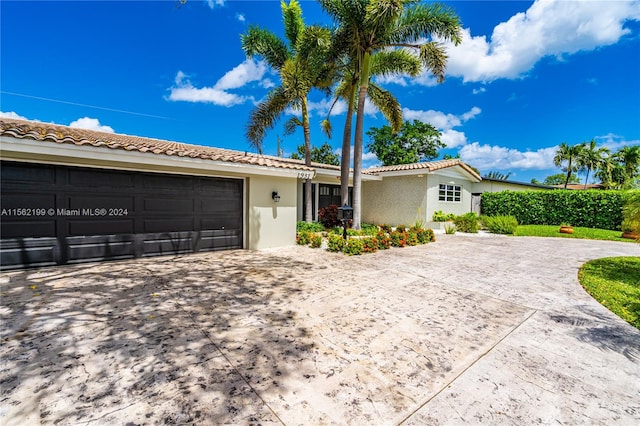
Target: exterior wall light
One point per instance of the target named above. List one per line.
(275, 197)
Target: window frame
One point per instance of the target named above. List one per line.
(449, 193)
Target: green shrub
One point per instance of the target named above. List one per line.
(467, 222)
(316, 241)
(309, 226)
(440, 216)
(354, 246)
(398, 239)
(412, 238)
(303, 238)
(425, 236)
(401, 228)
(335, 243)
(368, 229)
(385, 228)
(384, 242)
(590, 209)
(370, 245)
(501, 224)
(449, 229)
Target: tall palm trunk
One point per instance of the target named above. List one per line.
(566, 182)
(308, 205)
(365, 71)
(346, 147)
(587, 178)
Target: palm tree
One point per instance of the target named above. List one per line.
(496, 175)
(569, 154)
(590, 158)
(629, 157)
(383, 63)
(302, 65)
(370, 26)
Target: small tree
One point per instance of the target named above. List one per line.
(559, 179)
(570, 154)
(415, 142)
(324, 154)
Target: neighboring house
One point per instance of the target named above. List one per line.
(413, 192)
(581, 186)
(71, 195)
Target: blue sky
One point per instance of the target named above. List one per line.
(528, 75)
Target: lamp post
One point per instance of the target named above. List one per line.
(345, 214)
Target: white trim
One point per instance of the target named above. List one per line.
(107, 158)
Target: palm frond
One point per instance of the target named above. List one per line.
(399, 61)
(327, 128)
(434, 59)
(259, 42)
(422, 21)
(387, 104)
(265, 116)
(293, 23)
(291, 125)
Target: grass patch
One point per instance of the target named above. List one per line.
(615, 283)
(584, 233)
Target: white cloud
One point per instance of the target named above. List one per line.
(479, 90)
(12, 115)
(488, 157)
(453, 138)
(214, 3)
(614, 142)
(444, 122)
(240, 17)
(247, 72)
(547, 28)
(90, 124)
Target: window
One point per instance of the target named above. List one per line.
(336, 192)
(324, 190)
(450, 193)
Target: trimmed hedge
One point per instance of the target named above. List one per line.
(589, 209)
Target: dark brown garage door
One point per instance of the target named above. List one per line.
(54, 215)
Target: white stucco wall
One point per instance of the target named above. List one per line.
(396, 200)
(270, 224)
(433, 202)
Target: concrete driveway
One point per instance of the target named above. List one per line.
(469, 329)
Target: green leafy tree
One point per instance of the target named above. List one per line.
(497, 175)
(369, 27)
(302, 65)
(569, 154)
(415, 142)
(535, 181)
(590, 158)
(324, 154)
(559, 179)
(451, 157)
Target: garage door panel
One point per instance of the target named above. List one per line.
(95, 178)
(45, 227)
(103, 202)
(27, 200)
(168, 243)
(168, 205)
(175, 184)
(220, 240)
(146, 214)
(100, 226)
(15, 173)
(23, 252)
(99, 248)
(167, 225)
